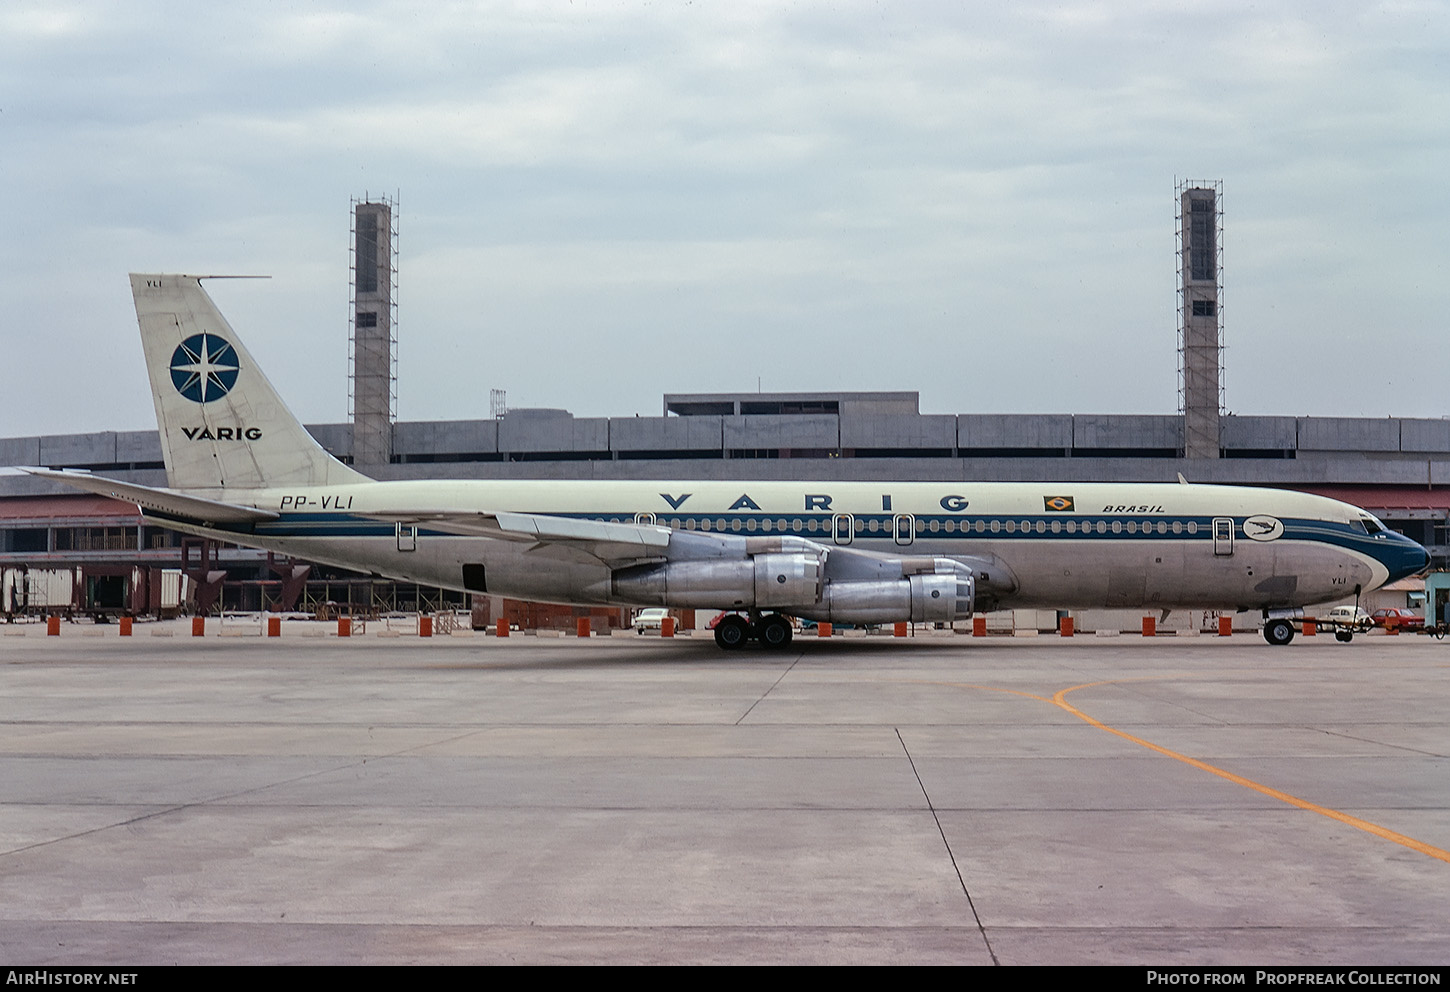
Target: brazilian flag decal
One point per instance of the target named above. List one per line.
(1057, 504)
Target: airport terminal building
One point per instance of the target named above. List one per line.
(59, 547)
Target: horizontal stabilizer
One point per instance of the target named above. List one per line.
(163, 501)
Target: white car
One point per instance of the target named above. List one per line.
(1350, 616)
(1346, 621)
(650, 619)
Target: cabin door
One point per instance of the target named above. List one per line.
(1223, 536)
(407, 535)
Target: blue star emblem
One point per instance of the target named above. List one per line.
(204, 368)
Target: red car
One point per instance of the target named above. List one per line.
(1399, 618)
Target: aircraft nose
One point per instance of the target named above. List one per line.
(1407, 558)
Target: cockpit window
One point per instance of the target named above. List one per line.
(1371, 525)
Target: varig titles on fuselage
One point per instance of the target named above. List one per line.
(952, 502)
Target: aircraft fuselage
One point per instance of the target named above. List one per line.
(1031, 545)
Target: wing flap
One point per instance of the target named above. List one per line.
(600, 539)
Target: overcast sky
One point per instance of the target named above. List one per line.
(605, 201)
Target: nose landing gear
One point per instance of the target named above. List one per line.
(1278, 632)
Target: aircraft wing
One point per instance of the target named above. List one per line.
(165, 502)
(609, 542)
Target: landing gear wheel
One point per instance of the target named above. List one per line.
(1278, 632)
(1344, 635)
(732, 632)
(774, 632)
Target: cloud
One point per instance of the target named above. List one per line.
(969, 201)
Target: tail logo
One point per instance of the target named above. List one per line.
(204, 367)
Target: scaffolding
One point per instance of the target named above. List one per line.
(330, 598)
(372, 373)
(1200, 314)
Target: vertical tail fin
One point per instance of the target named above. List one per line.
(222, 424)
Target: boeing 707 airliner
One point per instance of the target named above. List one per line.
(241, 468)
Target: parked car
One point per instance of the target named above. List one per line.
(652, 618)
(1346, 621)
(1353, 616)
(1399, 618)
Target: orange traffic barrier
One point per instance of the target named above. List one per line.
(344, 627)
(979, 626)
(1225, 626)
(1392, 627)
(1150, 626)
(1064, 626)
(52, 626)
(274, 626)
(125, 626)
(581, 626)
(1310, 628)
(198, 626)
(667, 627)
(502, 628)
(824, 630)
(425, 626)
(900, 628)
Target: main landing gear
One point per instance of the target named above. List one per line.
(734, 631)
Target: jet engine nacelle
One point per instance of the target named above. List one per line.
(939, 597)
(764, 581)
(930, 590)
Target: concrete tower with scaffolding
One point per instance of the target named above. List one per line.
(1200, 315)
(373, 330)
